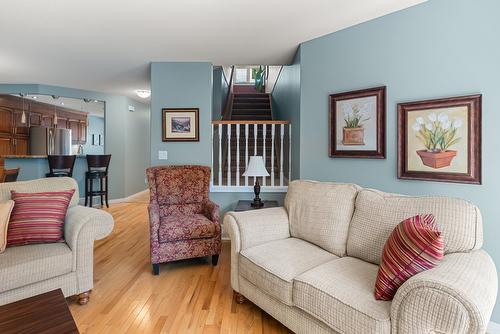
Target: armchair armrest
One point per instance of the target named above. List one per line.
(82, 226)
(457, 296)
(251, 228)
(211, 211)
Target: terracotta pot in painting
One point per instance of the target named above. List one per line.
(353, 136)
(436, 159)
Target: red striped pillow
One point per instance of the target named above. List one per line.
(38, 217)
(415, 245)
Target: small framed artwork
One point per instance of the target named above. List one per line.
(357, 124)
(180, 124)
(94, 140)
(101, 140)
(440, 140)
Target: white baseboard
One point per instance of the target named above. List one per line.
(493, 328)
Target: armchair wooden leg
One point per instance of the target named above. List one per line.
(83, 298)
(215, 259)
(240, 299)
(156, 269)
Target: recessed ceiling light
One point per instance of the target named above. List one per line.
(96, 101)
(62, 103)
(143, 94)
(35, 97)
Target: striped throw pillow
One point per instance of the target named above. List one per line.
(38, 217)
(415, 245)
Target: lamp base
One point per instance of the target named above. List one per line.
(257, 203)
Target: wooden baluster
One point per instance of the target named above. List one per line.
(229, 154)
(220, 154)
(237, 155)
(272, 155)
(246, 153)
(282, 133)
(264, 150)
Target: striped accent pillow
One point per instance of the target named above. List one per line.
(415, 245)
(38, 217)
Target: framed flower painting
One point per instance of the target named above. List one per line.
(440, 140)
(357, 124)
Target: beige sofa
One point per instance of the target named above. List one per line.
(29, 270)
(312, 264)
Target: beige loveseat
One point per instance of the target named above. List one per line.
(312, 264)
(30, 270)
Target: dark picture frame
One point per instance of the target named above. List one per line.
(471, 123)
(177, 124)
(380, 125)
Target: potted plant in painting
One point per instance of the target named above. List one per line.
(437, 134)
(353, 131)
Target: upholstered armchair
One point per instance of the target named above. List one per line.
(184, 223)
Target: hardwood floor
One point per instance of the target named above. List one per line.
(187, 297)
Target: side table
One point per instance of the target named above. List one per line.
(245, 205)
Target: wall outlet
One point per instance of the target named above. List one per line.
(162, 155)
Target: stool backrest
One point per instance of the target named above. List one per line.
(62, 162)
(10, 175)
(98, 161)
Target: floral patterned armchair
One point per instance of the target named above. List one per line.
(184, 223)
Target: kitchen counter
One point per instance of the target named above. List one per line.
(22, 156)
(36, 166)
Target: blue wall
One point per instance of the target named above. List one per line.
(95, 127)
(286, 106)
(437, 49)
(183, 85)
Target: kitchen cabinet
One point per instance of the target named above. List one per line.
(14, 134)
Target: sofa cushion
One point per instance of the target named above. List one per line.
(459, 222)
(272, 266)
(340, 293)
(320, 213)
(185, 227)
(23, 265)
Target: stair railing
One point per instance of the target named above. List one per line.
(233, 141)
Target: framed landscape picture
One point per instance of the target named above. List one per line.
(357, 124)
(180, 124)
(440, 140)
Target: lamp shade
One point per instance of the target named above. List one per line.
(256, 167)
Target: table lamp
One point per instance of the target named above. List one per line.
(256, 168)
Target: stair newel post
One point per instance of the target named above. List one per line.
(264, 150)
(282, 134)
(246, 153)
(229, 154)
(272, 154)
(220, 153)
(254, 145)
(237, 155)
(289, 153)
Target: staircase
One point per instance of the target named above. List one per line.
(251, 107)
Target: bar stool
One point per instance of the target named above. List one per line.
(10, 175)
(97, 170)
(61, 165)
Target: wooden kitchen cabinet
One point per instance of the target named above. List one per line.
(83, 132)
(36, 119)
(20, 128)
(6, 120)
(21, 145)
(5, 145)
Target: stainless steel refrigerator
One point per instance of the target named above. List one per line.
(50, 141)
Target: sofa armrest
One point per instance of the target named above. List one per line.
(83, 223)
(457, 296)
(82, 226)
(211, 211)
(251, 228)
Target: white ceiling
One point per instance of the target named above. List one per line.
(107, 45)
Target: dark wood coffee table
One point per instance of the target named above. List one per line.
(45, 313)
